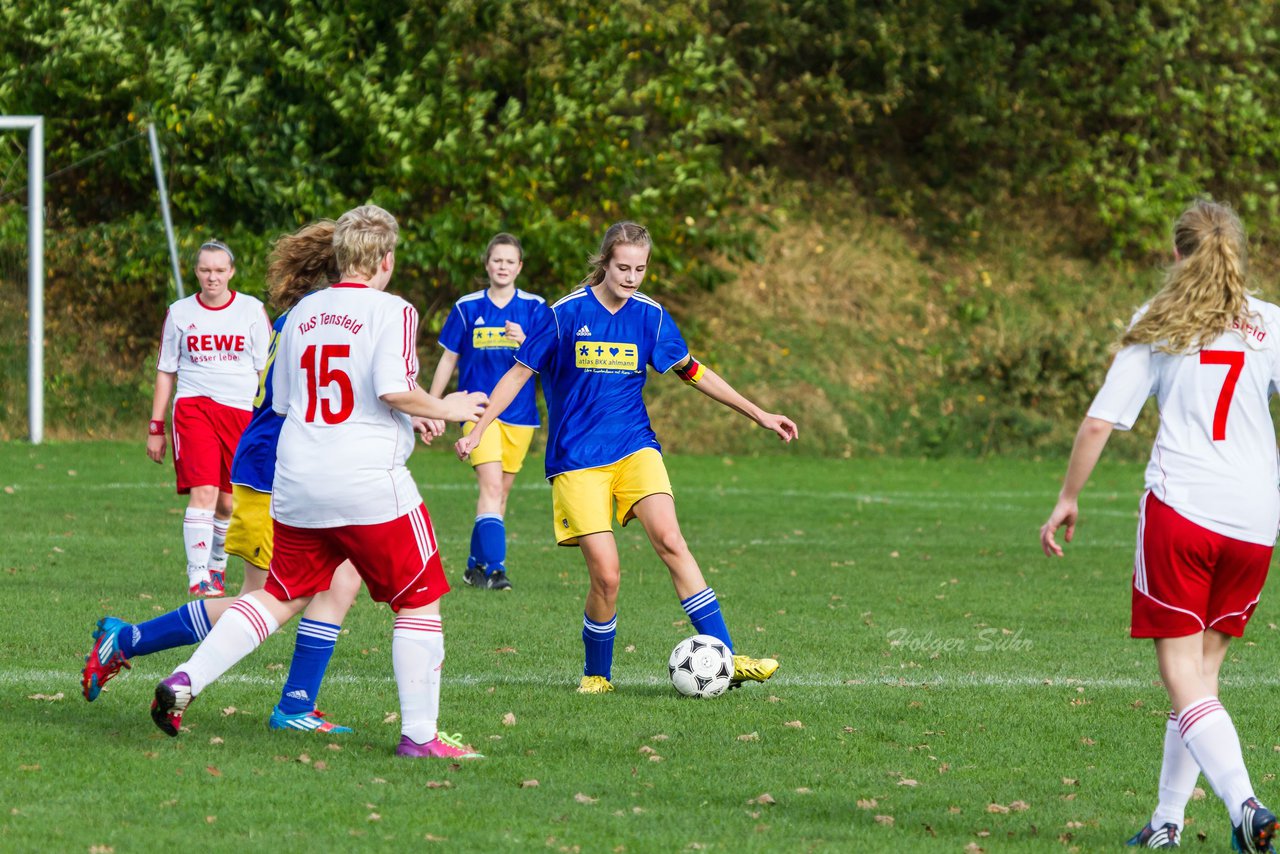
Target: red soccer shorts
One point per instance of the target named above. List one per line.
(1187, 578)
(398, 560)
(205, 435)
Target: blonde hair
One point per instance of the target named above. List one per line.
(300, 263)
(362, 237)
(619, 234)
(1205, 289)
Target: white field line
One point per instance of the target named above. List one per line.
(930, 500)
(61, 679)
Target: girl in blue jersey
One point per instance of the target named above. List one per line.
(299, 265)
(593, 360)
(480, 338)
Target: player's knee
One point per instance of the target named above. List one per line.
(670, 544)
(606, 584)
(345, 585)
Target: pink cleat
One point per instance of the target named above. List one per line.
(441, 747)
(173, 695)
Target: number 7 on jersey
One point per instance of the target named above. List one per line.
(1234, 360)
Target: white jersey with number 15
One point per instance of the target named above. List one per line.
(342, 452)
(1214, 458)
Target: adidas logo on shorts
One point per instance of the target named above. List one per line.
(583, 331)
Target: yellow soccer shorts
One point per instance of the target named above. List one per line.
(504, 443)
(251, 531)
(581, 500)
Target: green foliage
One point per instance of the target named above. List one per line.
(1125, 109)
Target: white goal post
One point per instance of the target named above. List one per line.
(35, 267)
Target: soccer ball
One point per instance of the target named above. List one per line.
(701, 666)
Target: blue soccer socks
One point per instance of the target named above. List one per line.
(489, 543)
(597, 639)
(311, 655)
(181, 627)
(704, 612)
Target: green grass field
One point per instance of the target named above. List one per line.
(943, 685)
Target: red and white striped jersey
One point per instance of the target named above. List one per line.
(216, 352)
(1214, 457)
(342, 451)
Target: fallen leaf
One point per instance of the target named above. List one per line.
(749, 736)
(1197, 794)
(101, 849)
(953, 810)
(907, 781)
(584, 799)
(333, 747)
(773, 699)
(373, 816)
(506, 650)
(999, 809)
(377, 781)
(50, 697)
(28, 767)
(213, 770)
(229, 710)
(528, 784)
(321, 765)
(660, 737)
(304, 759)
(431, 837)
(509, 719)
(885, 820)
(439, 784)
(1070, 781)
(794, 724)
(763, 799)
(803, 790)
(216, 740)
(1019, 806)
(867, 803)
(973, 848)
(391, 718)
(1075, 825)
(210, 819)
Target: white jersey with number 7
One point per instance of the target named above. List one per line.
(1214, 458)
(342, 452)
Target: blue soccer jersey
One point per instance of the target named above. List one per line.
(254, 464)
(475, 330)
(593, 365)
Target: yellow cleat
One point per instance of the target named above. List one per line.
(600, 685)
(753, 669)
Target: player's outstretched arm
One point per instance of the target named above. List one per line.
(718, 389)
(503, 393)
(459, 406)
(1091, 438)
(165, 383)
(444, 372)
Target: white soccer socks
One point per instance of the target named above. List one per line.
(1178, 774)
(242, 629)
(417, 654)
(197, 536)
(1211, 737)
(218, 548)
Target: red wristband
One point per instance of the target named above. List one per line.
(155, 428)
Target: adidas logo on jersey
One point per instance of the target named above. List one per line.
(192, 326)
(584, 331)
(479, 322)
(299, 694)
